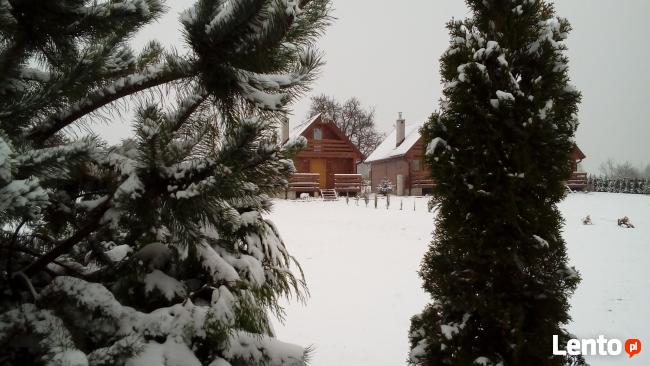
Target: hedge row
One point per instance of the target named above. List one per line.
(618, 185)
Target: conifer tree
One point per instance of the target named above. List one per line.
(499, 151)
(156, 251)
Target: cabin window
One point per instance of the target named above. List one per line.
(415, 165)
(318, 134)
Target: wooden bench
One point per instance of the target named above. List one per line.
(577, 182)
(304, 182)
(348, 183)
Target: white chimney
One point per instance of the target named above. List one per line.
(399, 128)
(284, 130)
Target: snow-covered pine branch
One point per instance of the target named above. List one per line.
(122, 87)
(157, 251)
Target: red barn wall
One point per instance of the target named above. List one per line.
(389, 169)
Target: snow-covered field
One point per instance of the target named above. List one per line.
(361, 265)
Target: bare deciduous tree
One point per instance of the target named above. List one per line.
(607, 168)
(356, 122)
(612, 169)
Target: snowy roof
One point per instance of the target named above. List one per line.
(301, 127)
(388, 150)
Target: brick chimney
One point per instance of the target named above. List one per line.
(400, 126)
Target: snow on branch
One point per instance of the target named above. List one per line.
(216, 265)
(551, 31)
(264, 350)
(23, 196)
(492, 48)
(86, 301)
(6, 153)
(270, 81)
(190, 167)
(451, 329)
(152, 76)
(292, 7)
(179, 326)
(186, 107)
(194, 189)
(471, 66)
(262, 99)
(433, 145)
(226, 12)
(33, 74)
(48, 329)
(471, 37)
(170, 353)
(47, 157)
(106, 9)
(168, 286)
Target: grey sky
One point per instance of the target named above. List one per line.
(386, 54)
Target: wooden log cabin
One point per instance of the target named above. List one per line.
(328, 163)
(578, 180)
(400, 159)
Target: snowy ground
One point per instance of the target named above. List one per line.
(361, 264)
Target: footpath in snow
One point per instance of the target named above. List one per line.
(361, 268)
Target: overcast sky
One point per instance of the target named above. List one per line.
(386, 54)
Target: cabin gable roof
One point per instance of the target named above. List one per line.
(305, 127)
(387, 149)
(302, 127)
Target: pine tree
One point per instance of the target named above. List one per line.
(499, 152)
(156, 251)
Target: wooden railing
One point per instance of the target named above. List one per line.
(304, 182)
(577, 181)
(422, 180)
(349, 183)
(328, 147)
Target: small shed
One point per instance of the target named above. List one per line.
(329, 156)
(400, 159)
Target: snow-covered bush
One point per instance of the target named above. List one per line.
(385, 187)
(646, 187)
(155, 251)
(625, 222)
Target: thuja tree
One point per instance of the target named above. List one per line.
(155, 251)
(499, 152)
